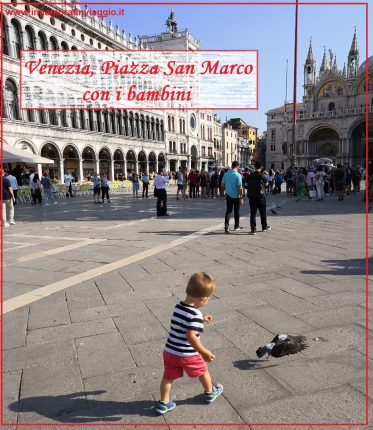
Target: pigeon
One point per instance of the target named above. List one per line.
(281, 345)
(274, 212)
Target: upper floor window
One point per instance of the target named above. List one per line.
(273, 135)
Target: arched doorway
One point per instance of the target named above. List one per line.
(142, 162)
(131, 161)
(152, 163)
(194, 155)
(71, 161)
(49, 150)
(324, 143)
(161, 161)
(357, 144)
(119, 172)
(104, 158)
(89, 162)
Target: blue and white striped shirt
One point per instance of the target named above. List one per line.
(185, 317)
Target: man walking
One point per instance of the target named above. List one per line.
(14, 184)
(68, 181)
(160, 192)
(8, 201)
(232, 184)
(256, 184)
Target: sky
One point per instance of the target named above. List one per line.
(268, 28)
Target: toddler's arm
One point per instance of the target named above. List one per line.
(197, 345)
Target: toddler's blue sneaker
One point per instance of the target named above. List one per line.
(163, 407)
(216, 391)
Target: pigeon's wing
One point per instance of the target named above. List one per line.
(296, 338)
(285, 347)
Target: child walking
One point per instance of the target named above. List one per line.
(184, 351)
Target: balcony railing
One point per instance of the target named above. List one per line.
(361, 110)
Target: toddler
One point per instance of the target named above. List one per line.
(184, 350)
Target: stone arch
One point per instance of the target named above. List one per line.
(26, 145)
(89, 158)
(71, 159)
(5, 36)
(10, 105)
(131, 161)
(50, 150)
(142, 162)
(152, 162)
(161, 161)
(104, 157)
(15, 38)
(29, 38)
(43, 41)
(119, 165)
(53, 43)
(324, 142)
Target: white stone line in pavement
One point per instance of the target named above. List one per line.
(21, 245)
(35, 295)
(54, 251)
(46, 237)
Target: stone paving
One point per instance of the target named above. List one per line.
(89, 290)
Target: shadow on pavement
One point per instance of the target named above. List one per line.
(352, 266)
(75, 408)
(251, 364)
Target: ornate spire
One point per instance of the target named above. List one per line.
(344, 70)
(310, 58)
(354, 49)
(324, 63)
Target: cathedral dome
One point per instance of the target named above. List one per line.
(370, 65)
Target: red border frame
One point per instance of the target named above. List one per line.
(148, 107)
(366, 229)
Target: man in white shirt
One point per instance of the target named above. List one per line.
(160, 192)
(68, 179)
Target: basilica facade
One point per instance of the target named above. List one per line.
(330, 121)
(87, 141)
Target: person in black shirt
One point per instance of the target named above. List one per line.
(256, 184)
(8, 201)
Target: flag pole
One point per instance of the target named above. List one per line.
(293, 152)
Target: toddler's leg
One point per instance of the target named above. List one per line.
(166, 390)
(206, 382)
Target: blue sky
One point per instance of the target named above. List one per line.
(268, 28)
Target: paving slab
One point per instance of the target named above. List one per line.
(40, 354)
(276, 320)
(71, 331)
(48, 391)
(101, 354)
(320, 373)
(15, 328)
(343, 404)
(12, 384)
(341, 315)
(84, 295)
(49, 311)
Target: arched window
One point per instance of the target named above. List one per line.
(147, 134)
(30, 41)
(74, 48)
(11, 101)
(169, 123)
(91, 122)
(82, 119)
(64, 46)
(125, 119)
(173, 123)
(74, 123)
(331, 107)
(15, 38)
(43, 40)
(64, 119)
(137, 125)
(180, 125)
(30, 115)
(5, 37)
(54, 44)
(52, 117)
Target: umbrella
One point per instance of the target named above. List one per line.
(14, 155)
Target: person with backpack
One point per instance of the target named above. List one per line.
(256, 185)
(36, 189)
(278, 182)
